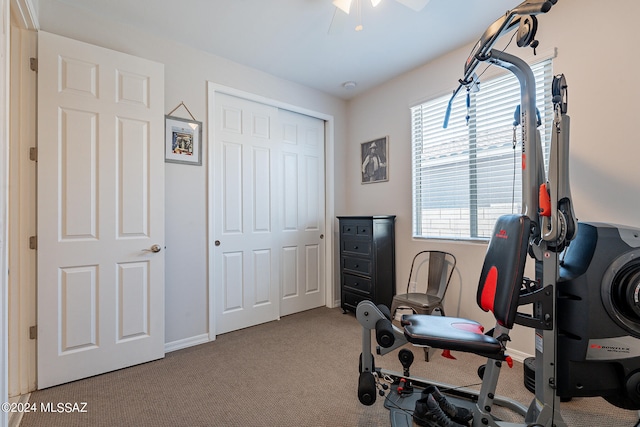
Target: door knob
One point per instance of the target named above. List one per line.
(155, 248)
(217, 243)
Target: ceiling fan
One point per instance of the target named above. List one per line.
(343, 8)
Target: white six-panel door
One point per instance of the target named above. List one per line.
(302, 201)
(100, 210)
(246, 261)
(269, 213)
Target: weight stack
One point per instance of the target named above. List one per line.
(529, 366)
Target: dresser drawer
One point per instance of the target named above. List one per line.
(356, 284)
(364, 230)
(356, 265)
(351, 301)
(359, 228)
(355, 246)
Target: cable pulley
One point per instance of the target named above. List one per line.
(527, 32)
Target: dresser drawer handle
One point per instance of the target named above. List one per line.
(355, 247)
(356, 266)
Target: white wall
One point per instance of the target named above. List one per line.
(186, 74)
(594, 52)
(597, 53)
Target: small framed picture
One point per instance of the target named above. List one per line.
(374, 160)
(183, 141)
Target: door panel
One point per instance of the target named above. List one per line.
(303, 212)
(246, 274)
(133, 144)
(79, 311)
(132, 300)
(100, 209)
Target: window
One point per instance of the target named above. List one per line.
(466, 176)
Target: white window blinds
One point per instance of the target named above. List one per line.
(466, 176)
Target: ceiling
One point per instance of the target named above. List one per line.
(291, 38)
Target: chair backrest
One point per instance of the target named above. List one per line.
(503, 268)
(432, 271)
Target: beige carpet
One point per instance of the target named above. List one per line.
(299, 371)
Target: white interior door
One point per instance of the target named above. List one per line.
(269, 253)
(246, 273)
(303, 213)
(100, 210)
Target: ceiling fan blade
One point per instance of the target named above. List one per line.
(338, 22)
(416, 5)
(344, 5)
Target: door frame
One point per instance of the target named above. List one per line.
(22, 198)
(212, 89)
(4, 230)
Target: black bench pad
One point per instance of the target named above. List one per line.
(449, 333)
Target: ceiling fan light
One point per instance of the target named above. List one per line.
(343, 5)
(375, 2)
(416, 5)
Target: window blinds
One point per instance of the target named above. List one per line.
(466, 176)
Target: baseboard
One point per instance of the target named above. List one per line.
(16, 417)
(186, 342)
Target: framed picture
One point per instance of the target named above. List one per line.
(183, 141)
(374, 160)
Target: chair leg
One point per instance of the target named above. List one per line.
(394, 308)
(428, 353)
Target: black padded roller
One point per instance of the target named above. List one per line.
(367, 388)
(384, 310)
(384, 333)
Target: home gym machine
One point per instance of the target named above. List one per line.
(580, 268)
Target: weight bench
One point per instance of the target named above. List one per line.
(499, 290)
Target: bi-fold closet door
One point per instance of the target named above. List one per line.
(269, 212)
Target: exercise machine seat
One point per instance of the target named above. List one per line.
(498, 291)
(449, 333)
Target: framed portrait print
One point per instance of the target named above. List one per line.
(374, 160)
(183, 141)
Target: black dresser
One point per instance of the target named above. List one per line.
(367, 260)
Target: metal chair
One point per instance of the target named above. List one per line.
(430, 272)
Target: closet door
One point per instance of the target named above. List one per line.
(246, 259)
(268, 193)
(303, 207)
